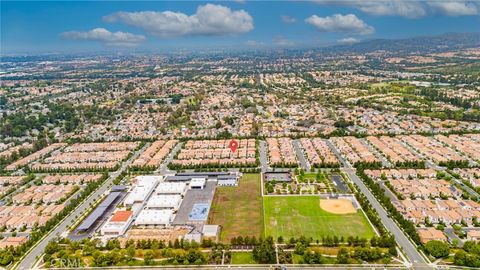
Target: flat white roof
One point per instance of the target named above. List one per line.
(198, 182)
(210, 230)
(144, 185)
(171, 188)
(149, 178)
(154, 217)
(164, 201)
(114, 226)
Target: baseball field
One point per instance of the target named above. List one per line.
(294, 216)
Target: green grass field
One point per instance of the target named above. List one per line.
(238, 210)
(243, 258)
(294, 216)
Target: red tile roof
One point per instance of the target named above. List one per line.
(121, 216)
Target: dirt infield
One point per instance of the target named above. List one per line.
(338, 206)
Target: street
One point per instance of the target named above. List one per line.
(384, 160)
(29, 260)
(163, 169)
(430, 164)
(410, 250)
(300, 156)
(263, 156)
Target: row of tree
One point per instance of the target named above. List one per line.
(38, 232)
(379, 193)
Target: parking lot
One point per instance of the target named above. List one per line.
(192, 197)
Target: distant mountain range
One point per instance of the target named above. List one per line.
(437, 43)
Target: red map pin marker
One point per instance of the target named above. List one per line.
(233, 145)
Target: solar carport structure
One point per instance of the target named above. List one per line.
(99, 212)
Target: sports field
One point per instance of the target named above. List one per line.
(238, 210)
(294, 216)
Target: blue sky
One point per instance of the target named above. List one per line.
(68, 26)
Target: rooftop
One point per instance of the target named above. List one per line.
(121, 216)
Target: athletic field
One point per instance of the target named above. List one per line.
(294, 216)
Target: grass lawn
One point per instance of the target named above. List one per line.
(298, 259)
(294, 216)
(243, 258)
(239, 210)
(313, 176)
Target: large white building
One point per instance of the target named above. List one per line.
(154, 217)
(164, 202)
(144, 186)
(198, 183)
(171, 188)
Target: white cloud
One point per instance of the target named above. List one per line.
(349, 40)
(403, 8)
(209, 20)
(288, 19)
(456, 8)
(116, 39)
(340, 24)
(409, 8)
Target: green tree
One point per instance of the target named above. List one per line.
(265, 251)
(131, 252)
(343, 257)
(148, 257)
(437, 249)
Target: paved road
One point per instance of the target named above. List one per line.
(263, 156)
(384, 160)
(471, 162)
(410, 250)
(164, 167)
(30, 259)
(343, 161)
(388, 192)
(300, 156)
(450, 232)
(470, 191)
(261, 110)
(430, 164)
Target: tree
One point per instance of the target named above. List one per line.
(6, 257)
(148, 257)
(343, 257)
(265, 251)
(437, 249)
(312, 257)
(299, 248)
(52, 247)
(392, 250)
(88, 248)
(131, 252)
(280, 239)
(195, 256)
